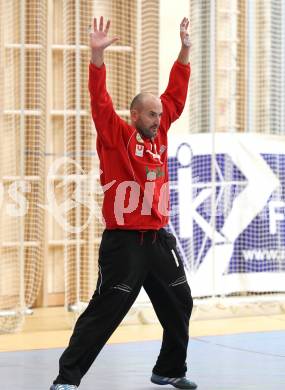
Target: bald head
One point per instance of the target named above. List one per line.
(140, 99)
(146, 111)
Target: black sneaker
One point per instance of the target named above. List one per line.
(179, 383)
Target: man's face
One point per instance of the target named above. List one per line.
(146, 118)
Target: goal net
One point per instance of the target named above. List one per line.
(22, 133)
(233, 232)
(237, 166)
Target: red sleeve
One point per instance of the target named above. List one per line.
(108, 124)
(174, 97)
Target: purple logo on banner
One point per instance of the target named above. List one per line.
(257, 233)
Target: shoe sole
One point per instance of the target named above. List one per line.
(159, 383)
(172, 384)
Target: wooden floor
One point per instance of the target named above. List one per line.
(51, 328)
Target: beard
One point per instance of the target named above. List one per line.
(148, 132)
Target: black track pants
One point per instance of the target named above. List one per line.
(129, 260)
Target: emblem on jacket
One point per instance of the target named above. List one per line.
(152, 174)
(139, 150)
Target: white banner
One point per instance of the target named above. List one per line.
(228, 210)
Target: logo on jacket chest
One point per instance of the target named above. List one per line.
(153, 174)
(139, 150)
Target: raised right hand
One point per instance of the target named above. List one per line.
(98, 37)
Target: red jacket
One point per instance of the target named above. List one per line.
(134, 170)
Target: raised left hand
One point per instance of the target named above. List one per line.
(184, 34)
